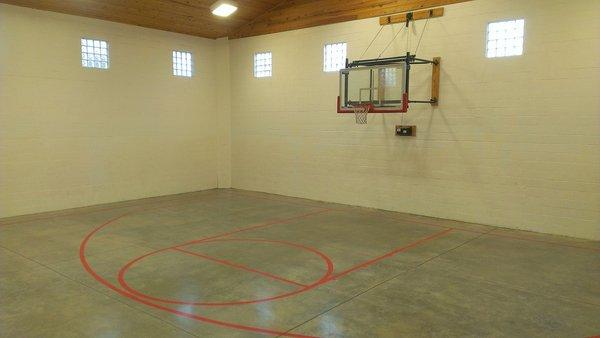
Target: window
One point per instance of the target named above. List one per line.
(94, 53)
(182, 64)
(505, 38)
(263, 64)
(334, 57)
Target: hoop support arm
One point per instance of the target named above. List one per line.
(373, 110)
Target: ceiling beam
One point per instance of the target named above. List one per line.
(297, 14)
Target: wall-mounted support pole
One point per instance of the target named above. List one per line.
(435, 81)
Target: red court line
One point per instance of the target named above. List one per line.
(124, 293)
(100, 279)
(239, 266)
(323, 279)
(492, 233)
(392, 253)
(254, 227)
(378, 212)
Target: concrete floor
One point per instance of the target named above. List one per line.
(230, 263)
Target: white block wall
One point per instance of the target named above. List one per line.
(72, 136)
(514, 142)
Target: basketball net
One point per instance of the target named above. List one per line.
(361, 113)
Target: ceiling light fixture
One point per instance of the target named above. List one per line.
(223, 8)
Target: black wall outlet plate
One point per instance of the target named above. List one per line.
(406, 130)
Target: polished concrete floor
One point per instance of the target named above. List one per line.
(231, 263)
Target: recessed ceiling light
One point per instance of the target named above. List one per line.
(223, 8)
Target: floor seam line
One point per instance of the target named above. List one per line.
(383, 282)
(99, 292)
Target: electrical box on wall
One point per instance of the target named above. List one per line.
(406, 130)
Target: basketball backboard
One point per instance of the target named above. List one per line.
(380, 87)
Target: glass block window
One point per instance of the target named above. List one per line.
(94, 54)
(182, 63)
(505, 38)
(263, 64)
(334, 57)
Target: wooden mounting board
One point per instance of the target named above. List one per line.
(435, 81)
(418, 15)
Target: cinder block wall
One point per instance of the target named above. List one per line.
(514, 141)
(71, 136)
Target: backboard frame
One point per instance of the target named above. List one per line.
(344, 106)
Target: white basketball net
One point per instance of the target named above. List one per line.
(360, 114)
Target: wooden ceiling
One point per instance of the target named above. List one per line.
(191, 17)
(296, 14)
(253, 17)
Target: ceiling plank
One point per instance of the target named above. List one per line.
(297, 14)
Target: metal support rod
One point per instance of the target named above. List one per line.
(346, 87)
(407, 75)
(383, 61)
(409, 58)
(421, 101)
(371, 85)
(423, 60)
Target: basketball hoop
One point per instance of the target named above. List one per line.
(361, 113)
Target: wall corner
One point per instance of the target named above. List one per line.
(223, 114)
